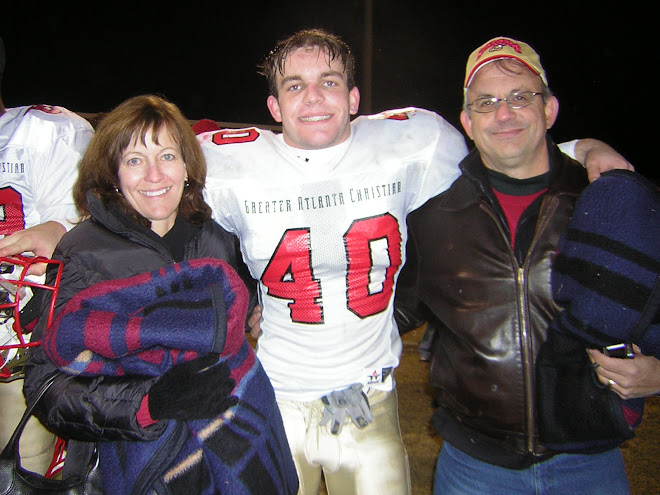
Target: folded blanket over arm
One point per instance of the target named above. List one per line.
(607, 278)
(146, 324)
(608, 265)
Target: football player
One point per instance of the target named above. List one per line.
(39, 149)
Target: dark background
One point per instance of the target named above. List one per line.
(599, 58)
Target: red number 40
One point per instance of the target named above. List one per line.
(289, 274)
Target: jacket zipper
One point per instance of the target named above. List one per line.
(527, 358)
(546, 210)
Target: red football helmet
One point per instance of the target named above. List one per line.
(16, 291)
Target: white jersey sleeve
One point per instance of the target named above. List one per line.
(568, 148)
(40, 147)
(39, 151)
(326, 240)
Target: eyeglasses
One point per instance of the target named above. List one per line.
(518, 100)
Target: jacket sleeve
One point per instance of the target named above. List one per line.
(88, 409)
(251, 284)
(221, 244)
(409, 312)
(84, 408)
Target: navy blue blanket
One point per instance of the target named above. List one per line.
(145, 324)
(607, 272)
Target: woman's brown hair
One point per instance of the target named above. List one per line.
(131, 120)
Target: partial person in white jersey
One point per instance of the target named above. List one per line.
(320, 210)
(40, 146)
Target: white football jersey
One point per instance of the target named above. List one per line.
(39, 151)
(324, 233)
(40, 147)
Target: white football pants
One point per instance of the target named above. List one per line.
(369, 461)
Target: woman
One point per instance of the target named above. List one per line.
(185, 407)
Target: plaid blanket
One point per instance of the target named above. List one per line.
(143, 325)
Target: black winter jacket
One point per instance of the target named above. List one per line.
(494, 305)
(110, 246)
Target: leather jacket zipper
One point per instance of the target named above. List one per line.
(527, 359)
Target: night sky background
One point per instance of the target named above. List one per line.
(203, 57)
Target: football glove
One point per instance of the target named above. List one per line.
(351, 402)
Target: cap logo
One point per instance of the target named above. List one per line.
(497, 45)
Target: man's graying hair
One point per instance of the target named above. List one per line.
(328, 43)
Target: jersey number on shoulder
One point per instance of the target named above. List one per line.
(229, 136)
(289, 274)
(12, 218)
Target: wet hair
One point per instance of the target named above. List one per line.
(329, 43)
(98, 169)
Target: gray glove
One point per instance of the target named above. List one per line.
(352, 401)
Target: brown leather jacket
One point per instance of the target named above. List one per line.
(494, 305)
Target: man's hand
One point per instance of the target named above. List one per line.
(598, 157)
(253, 322)
(351, 402)
(40, 240)
(629, 378)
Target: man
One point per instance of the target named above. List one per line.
(320, 211)
(39, 149)
(481, 254)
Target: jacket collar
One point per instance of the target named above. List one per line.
(566, 175)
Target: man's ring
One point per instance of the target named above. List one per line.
(611, 383)
(595, 365)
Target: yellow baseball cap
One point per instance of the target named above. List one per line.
(499, 48)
